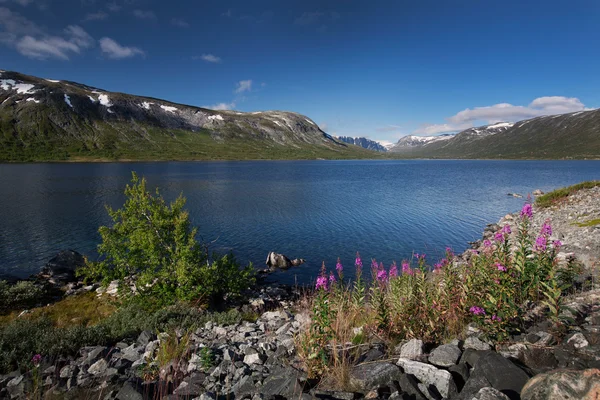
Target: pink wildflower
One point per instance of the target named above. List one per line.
(526, 211)
(36, 360)
(406, 270)
(540, 243)
(506, 229)
(546, 229)
(500, 267)
(393, 270)
(321, 283)
(476, 310)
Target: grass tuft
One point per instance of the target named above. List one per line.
(556, 196)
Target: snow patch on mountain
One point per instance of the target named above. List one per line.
(68, 100)
(169, 108)
(217, 117)
(104, 100)
(34, 100)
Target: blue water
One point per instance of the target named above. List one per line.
(317, 210)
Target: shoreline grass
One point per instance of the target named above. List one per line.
(558, 195)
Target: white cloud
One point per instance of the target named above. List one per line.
(97, 16)
(221, 106)
(144, 14)
(114, 50)
(548, 105)
(388, 128)
(113, 7)
(180, 23)
(211, 58)
(79, 36)
(46, 47)
(244, 86)
(16, 24)
(309, 18)
(31, 41)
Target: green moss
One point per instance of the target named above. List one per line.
(556, 196)
(592, 222)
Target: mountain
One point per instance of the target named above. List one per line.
(363, 142)
(565, 136)
(43, 119)
(411, 143)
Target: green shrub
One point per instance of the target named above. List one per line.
(155, 244)
(21, 294)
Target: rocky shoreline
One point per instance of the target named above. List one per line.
(259, 359)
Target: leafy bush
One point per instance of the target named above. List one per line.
(155, 245)
(20, 294)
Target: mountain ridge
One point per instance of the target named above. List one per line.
(43, 119)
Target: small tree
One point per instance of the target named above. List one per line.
(155, 245)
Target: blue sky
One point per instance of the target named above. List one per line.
(380, 69)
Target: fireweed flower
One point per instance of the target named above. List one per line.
(393, 270)
(381, 276)
(358, 262)
(506, 229)
(406, 270)
(476, 310)
(321, 283)
(557, 244)
(496, 318)
(487, 243)
(438, 266)
(339, 268)
(374, 267)
(449, 252)
(499, 237)
(36, 360)
(500, 267)
(540, 243)
(526, 211)
(331, 278)
(546, 229)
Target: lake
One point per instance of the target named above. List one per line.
(317, 210)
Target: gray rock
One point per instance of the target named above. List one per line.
(98, 368)
(371, 376)
(500, 373)
(430, 375)
(284, 382)
(460, 373)
(410, 385)
(145, 337)
(255, 358)
(207, 396)
(475, 343)
(470, 357)
(412, 350)
(489, 393)
(129, 392)
(187, 388)
(445, 355)
(16, 387)
(244, 387)
(563, 384)
(578, 341)
(68, 371)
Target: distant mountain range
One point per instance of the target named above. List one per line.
(574, 135)
(363, 142)
(43, 119)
